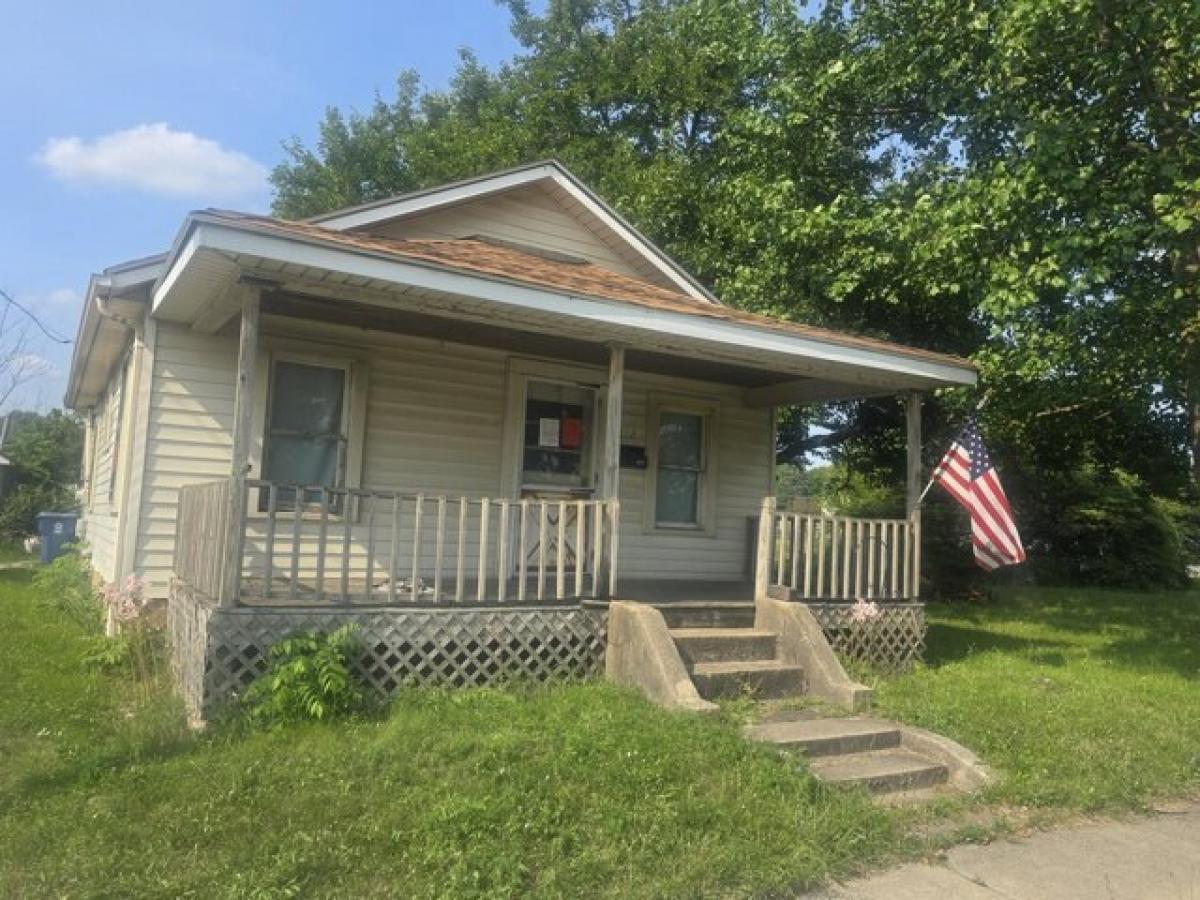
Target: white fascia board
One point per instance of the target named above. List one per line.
(177, 266)
(122, 279)
(609, 315)
(434, 199)
(645, 248)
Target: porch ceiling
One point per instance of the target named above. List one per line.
(777, 364)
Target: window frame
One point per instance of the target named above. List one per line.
(708, 412)
(354, 404)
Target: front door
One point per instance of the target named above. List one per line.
(558, 463)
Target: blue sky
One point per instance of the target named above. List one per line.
(118, 118)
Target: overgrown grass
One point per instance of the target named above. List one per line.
(576, 790)
(1084, 700)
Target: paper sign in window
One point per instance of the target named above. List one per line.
(548, 432)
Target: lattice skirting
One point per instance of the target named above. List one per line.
(892, 642)
(219, 651)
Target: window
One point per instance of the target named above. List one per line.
(679, 490)
(305, 436)
(112, 431)
(558, 436)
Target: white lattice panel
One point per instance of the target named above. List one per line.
(457, 647)
(893, 642)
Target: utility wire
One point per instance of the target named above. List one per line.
(54, 336)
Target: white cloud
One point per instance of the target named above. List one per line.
(30, 365)
(156, 159)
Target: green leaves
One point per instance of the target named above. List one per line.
(309, 677)
(1013, 180)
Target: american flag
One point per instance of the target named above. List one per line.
(967, 473)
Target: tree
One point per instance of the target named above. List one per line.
(1013, 181)
(1058, 140)
(45, 453)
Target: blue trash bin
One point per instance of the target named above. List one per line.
(56, 530)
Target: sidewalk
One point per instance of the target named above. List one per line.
(1154, 857)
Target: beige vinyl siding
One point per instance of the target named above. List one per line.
(739, 464)
(188, 437)
(101, 524)
(528, 216)
(434, 425)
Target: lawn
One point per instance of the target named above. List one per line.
(578, 790)
(1085, 700)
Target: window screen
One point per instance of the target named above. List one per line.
(305, 440)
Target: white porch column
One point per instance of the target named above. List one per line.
(913, 486)
(243, 408)
(610, 485)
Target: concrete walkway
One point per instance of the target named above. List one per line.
(1155, 857)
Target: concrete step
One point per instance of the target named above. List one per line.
(688, 614)
(700, 645)
(766, 679)
(828, 737)
(880, 771)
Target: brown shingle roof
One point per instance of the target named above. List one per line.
(497, 261)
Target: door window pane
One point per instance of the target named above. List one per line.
(680, 468)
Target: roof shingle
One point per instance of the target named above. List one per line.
(493, 260)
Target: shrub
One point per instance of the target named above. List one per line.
(18, 512)
(309, 677)
(1185, 516)
(1104, 528)
(66, 586)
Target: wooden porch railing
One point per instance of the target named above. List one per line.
(202, 528)
(383, 547)
(820, 557)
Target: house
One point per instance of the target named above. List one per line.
(466, 418)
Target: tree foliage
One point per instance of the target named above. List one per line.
(44, 452)
(1013, 180)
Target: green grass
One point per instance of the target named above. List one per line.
(1084, 700)
(577, 790)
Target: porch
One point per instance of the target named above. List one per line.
(381, 548)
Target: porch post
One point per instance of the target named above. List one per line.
(763, 547)
(243, 407)
(913, 485)
(610, 485)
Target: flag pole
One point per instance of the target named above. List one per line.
(932, 478)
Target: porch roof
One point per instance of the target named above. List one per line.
(486, 281)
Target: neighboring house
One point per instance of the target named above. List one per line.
(492, 392)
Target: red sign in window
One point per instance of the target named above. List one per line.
(572, 433)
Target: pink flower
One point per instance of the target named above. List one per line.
(126, 601)
(864, 611)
